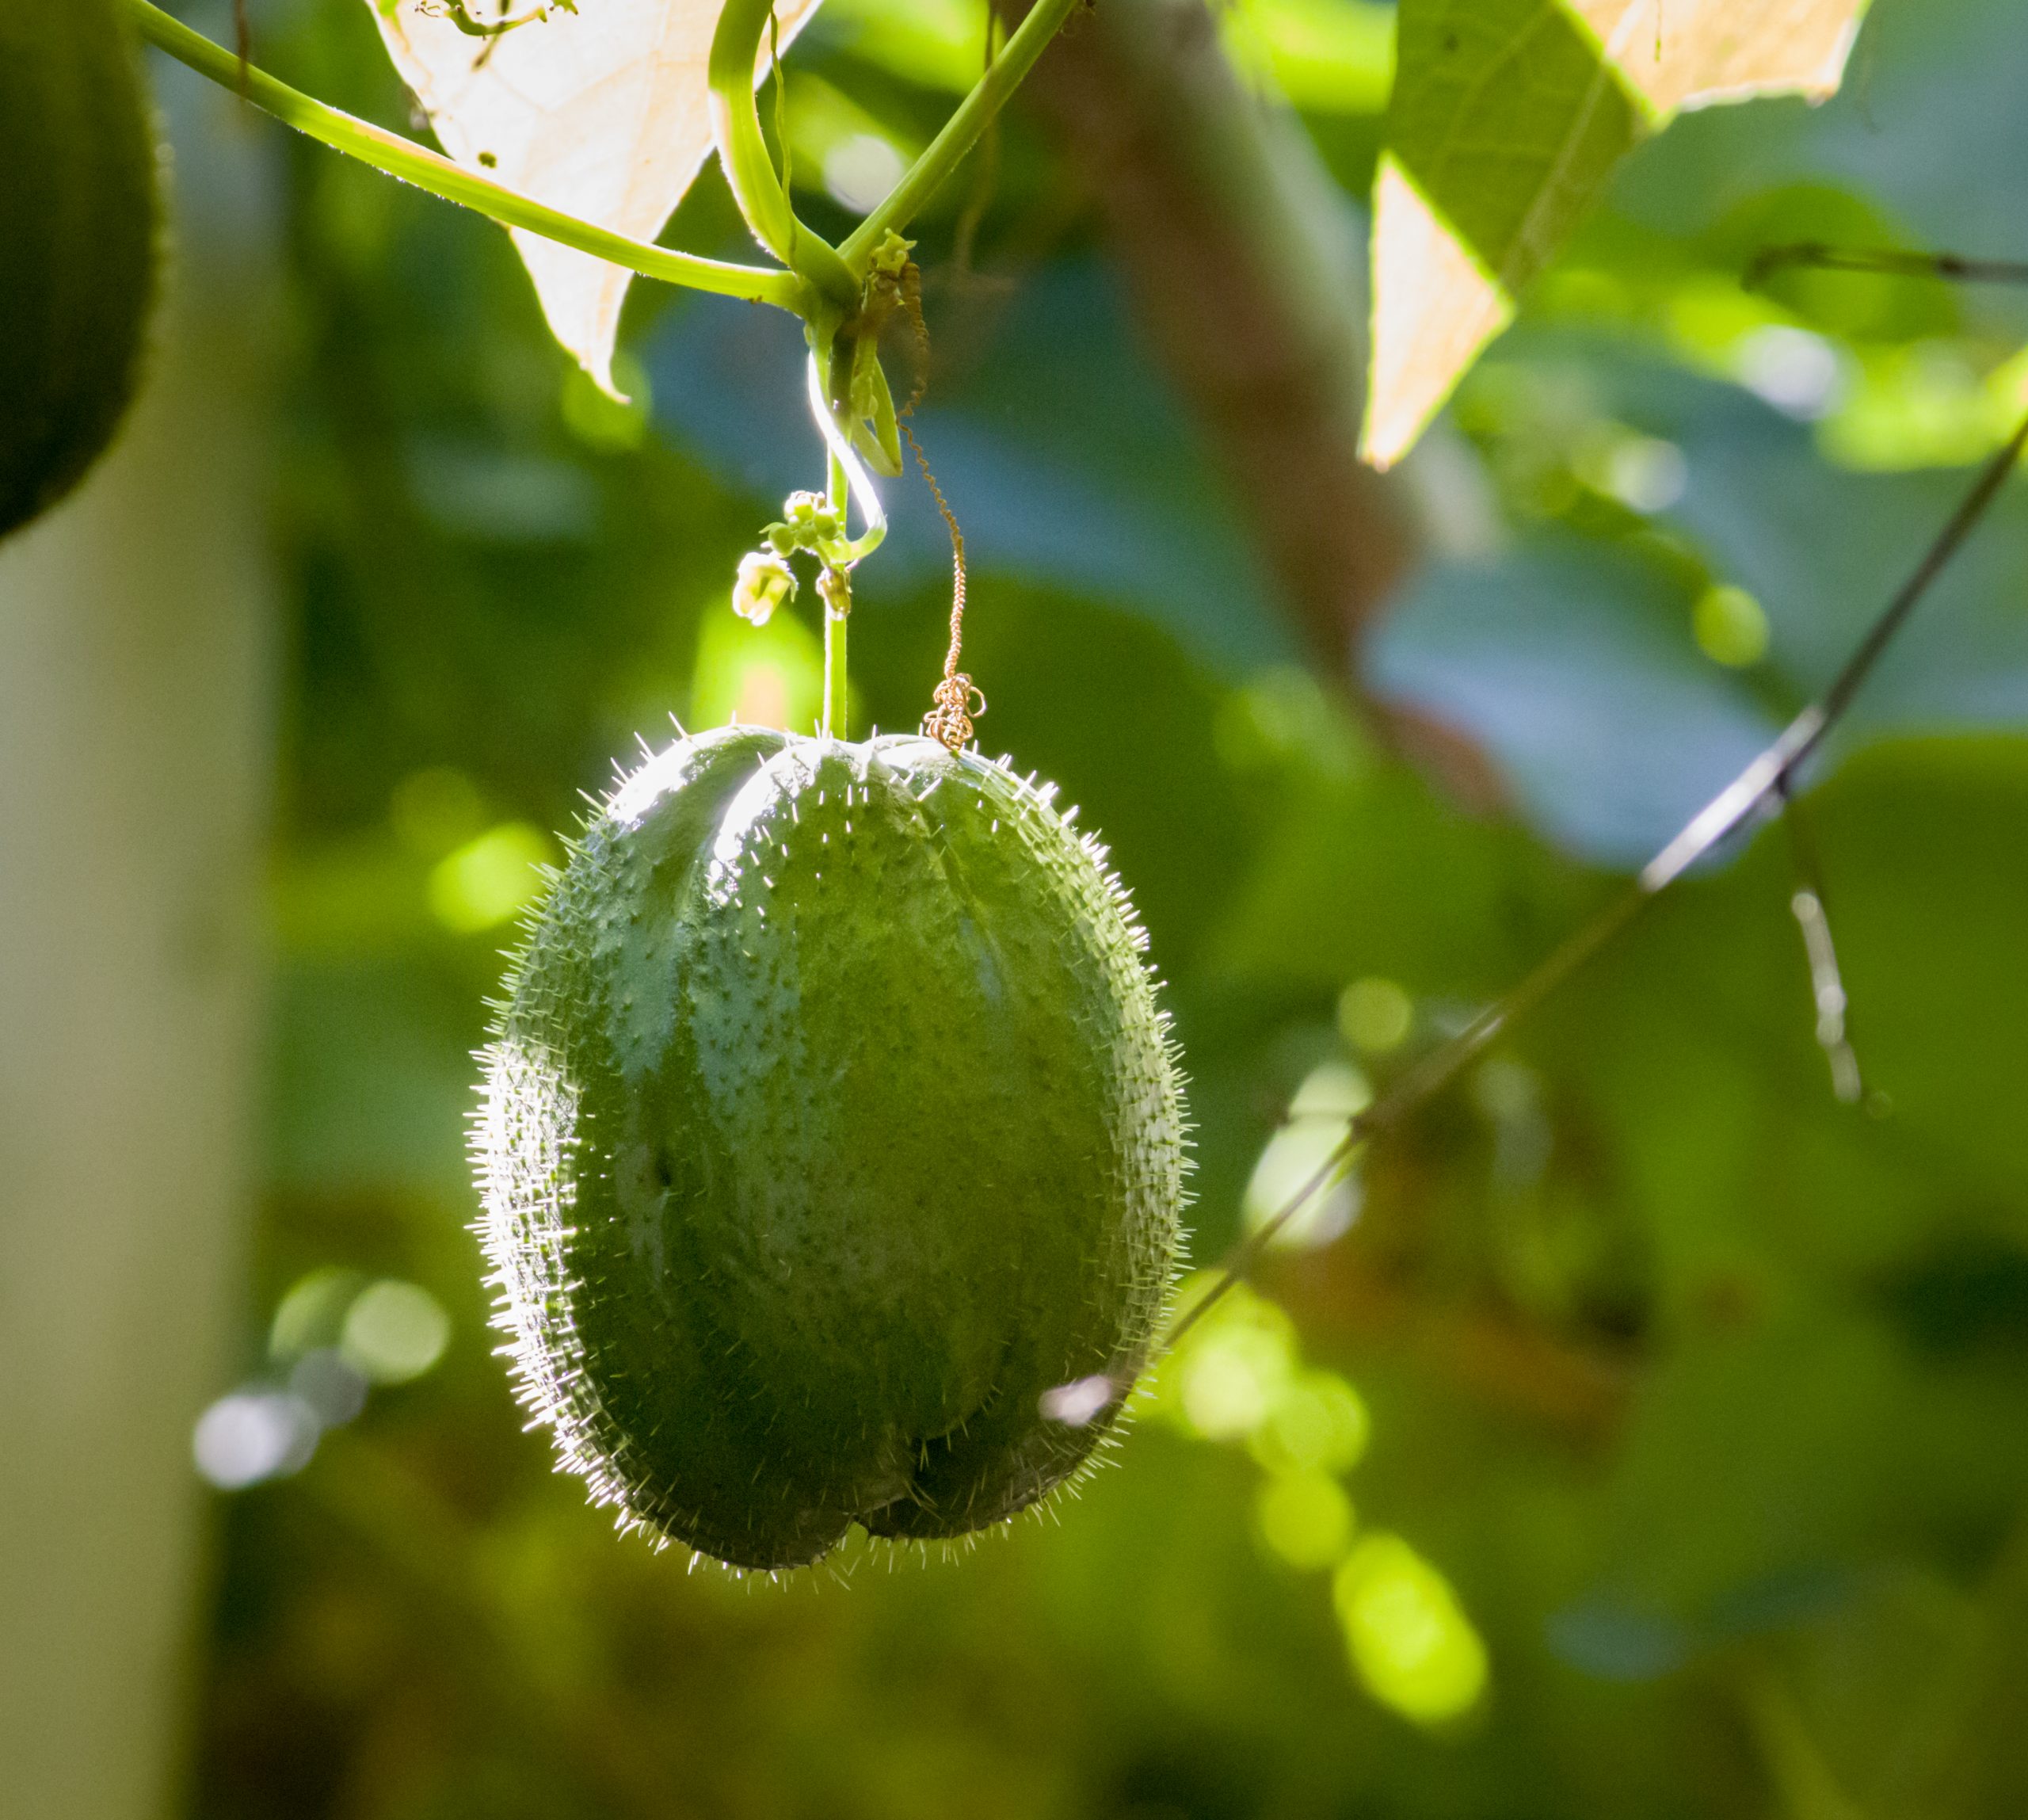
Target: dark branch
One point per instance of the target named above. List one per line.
(1245, 276)
(1815, 255)
(1768, 779)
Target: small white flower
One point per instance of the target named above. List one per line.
(765, 581)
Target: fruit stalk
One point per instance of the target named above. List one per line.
(836, 724)
(837, 600)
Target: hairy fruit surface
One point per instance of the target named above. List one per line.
(77, 243)
(830, 1123)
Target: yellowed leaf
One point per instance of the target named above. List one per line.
(604, 113)
(1689, 53)
(1423, 334)
(1508, 118)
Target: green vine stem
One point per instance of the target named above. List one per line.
(834, 588)
(847, 482)
(822, 281)
(848, 478)
(824, 284)
(974, 114)
(401, 158)
(835, 715)
(750, 170)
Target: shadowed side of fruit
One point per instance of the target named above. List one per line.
(77, 243)
(831, 1124)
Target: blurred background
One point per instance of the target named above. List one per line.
(1641, 1431)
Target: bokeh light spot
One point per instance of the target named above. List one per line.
(1505, 1090)
(394, 1331)
(1305, 1518)
(1375, 1015)
(1730, 627)
(331, 1384)
(436, 809)
(1795, 370)
(1318, 1423)
(313, 1312)
(1644, 473)
(1299, 1157)
(486, 881)
(1332, 1090)
(1412, 1645)
(1231, 1379)
(1231, 1368)
(253, 1435)
(861, 170)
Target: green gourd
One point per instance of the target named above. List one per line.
(830, 1125)
(77, 243)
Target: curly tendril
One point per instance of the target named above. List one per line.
(960, 701)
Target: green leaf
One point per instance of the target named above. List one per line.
(1508, 117)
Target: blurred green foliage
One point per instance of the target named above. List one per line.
(1654, 1444)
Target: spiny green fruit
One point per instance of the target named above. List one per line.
(830, 1125)
(78, 242)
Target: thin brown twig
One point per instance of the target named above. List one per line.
(1769, 777)
(1815, 255)
(958, 700)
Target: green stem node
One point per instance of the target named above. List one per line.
(961, 132)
